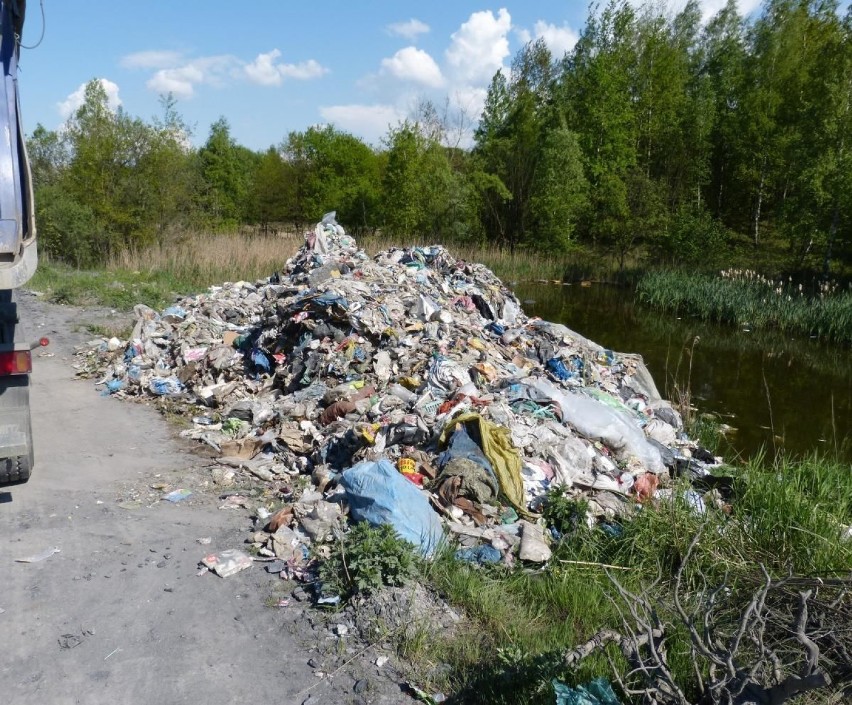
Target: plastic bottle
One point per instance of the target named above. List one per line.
(399, 391)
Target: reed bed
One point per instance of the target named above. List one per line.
(749, 300)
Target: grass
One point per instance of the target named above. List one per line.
(156, 275)
(746, 299)
(790, 512)
(192, 262)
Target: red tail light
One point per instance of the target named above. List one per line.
(18, 362)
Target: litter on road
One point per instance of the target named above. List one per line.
(38, 557)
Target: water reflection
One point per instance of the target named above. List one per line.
(778, 393)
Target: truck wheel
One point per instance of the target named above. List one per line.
(15, 470)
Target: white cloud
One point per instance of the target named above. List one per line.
(367, 121)
(182, 80)
(480, 45)
(74, 100)
(558, 39)
(181, 76)
(410, 29)
(413, 64)
(708, 7)
(265, 71)
(303, 71)
(152, 59)
(524, 35)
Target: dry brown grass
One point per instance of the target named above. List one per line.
(212, 258)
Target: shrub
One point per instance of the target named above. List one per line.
(366, 558)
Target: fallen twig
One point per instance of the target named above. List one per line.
(597, 565)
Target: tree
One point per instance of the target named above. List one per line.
(332, 170)
(723, 64)
(509, 141)
(403, 204)
(560, 190)
(48, 154)
(166, 180)
(597, 90)
(269, 190)
(226, 169)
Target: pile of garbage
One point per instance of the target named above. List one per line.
(413, 390)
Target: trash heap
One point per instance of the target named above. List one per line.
(413, 390)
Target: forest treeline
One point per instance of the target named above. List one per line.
(657, 134)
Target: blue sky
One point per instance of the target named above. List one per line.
(273, 66)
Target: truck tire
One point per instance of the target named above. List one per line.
(15, 410)
(15, 470)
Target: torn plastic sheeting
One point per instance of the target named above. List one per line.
(597, 692)
(378, 494)
(598, 421)
(496, 444)
(165, 386)
(227, 562)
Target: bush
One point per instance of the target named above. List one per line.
(695, 237)
(567, 516)
(68, 230)
(365, 559)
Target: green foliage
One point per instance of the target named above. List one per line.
(109, 182)
(331, 170)
(269, 194)
(560, 191)
(68, 230)
(226, 170)
(365, 559)
(404, 212)
(567, 516)
(427, 190)
(790, 513)
(694, 236)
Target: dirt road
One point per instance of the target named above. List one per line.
(119, 614)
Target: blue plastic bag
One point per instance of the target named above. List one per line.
(165, 386)
(557, 367)
(260, 360)
(378, 494)
(596, 692)
(479, 554)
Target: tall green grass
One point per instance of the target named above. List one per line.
(788, 513)
(744, 298)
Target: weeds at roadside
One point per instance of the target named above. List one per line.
(122, 331)
(366, 558)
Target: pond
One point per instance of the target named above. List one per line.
(777, 393)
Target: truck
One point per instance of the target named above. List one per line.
(18, 259)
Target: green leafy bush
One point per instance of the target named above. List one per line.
(567, 516)
(366, 558)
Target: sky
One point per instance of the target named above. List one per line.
(274, 66)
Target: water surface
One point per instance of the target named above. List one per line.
(778, 393)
